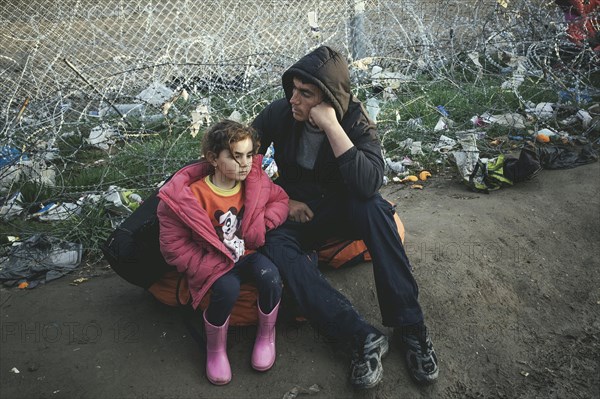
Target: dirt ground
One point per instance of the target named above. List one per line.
(509, 283)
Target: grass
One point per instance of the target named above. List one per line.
(419, 101)
(146, 152)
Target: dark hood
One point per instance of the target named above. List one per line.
(328, 70)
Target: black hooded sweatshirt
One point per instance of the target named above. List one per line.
(358, 171)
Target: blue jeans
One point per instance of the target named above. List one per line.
(371, 220)
(225, 291)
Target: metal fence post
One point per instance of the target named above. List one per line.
(358, 39)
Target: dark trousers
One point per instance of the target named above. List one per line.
(371, 220)
(225, 291)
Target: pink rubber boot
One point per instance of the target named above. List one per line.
(263, 355)
(218, 370)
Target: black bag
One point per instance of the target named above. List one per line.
(565, 157)
(526, 167)
(133, 249)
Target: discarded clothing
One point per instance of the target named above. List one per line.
(39, 259)
(485, 175)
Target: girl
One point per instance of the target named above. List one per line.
(213, 215)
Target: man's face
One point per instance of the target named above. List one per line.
(304, 97)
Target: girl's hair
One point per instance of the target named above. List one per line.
(222, 135)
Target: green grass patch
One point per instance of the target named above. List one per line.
(414, 113)
(146, 151)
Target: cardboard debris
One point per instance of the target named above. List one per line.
(373, 108)
(513, 120)
(200, 116)
(542, 111)
(101, 136)
(12, 207)
(444, 144)
(156, 94)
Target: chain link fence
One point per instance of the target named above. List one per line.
(122, 46)
(76, 68)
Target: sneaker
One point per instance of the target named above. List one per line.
(366, 368)
(420, 356)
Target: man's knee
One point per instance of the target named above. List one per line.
(370, 208)
(283, 249)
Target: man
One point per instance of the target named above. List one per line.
(330, 163)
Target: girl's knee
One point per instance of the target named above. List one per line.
(226, 291)
(269, 276)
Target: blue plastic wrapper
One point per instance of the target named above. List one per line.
(442, 110)
(10, 155)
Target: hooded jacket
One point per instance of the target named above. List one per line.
(358, 171)
(188, 239)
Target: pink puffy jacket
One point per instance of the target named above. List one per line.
(189, 241)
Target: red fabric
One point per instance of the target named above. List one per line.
(188, 239)
(583, 17)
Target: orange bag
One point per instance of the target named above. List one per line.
(338, 253)
(172, 289)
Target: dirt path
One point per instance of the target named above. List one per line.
(509, 283)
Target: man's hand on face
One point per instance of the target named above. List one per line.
(323, 116)
(299, 212)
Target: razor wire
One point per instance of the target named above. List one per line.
(132, 69)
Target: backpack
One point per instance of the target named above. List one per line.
(504, 171)
(133, 251)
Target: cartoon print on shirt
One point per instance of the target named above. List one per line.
(230, 223)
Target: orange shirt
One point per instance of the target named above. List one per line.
(225, 208)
